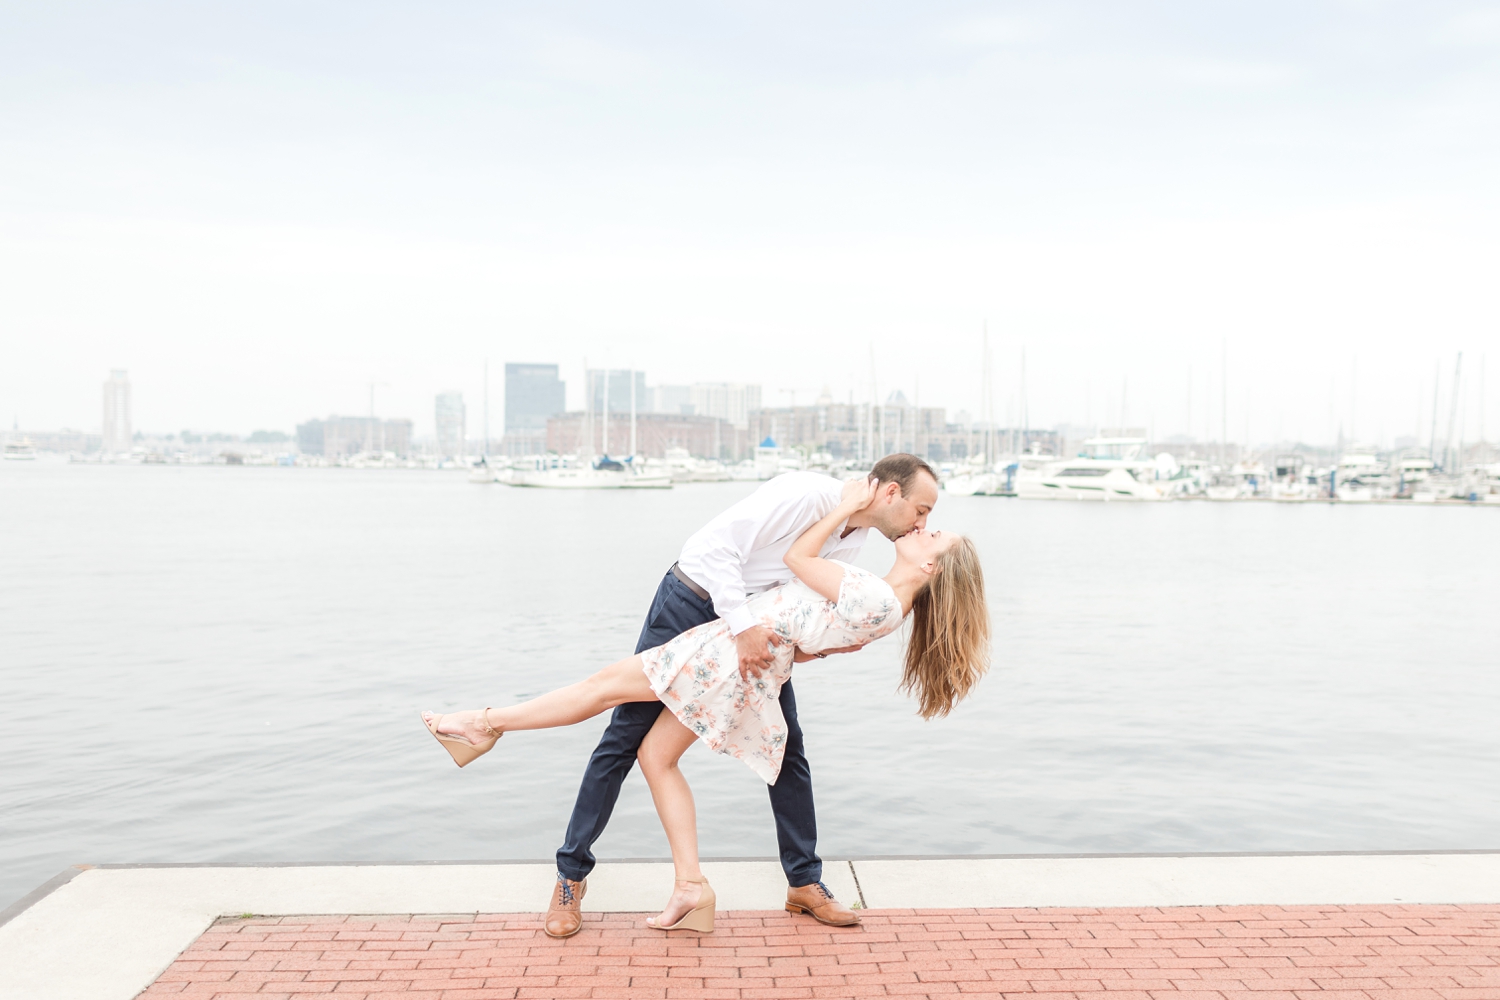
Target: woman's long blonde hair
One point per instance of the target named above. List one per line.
(949, 648)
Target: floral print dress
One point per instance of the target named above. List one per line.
(697, 674)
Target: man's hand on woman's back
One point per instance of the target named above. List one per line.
(756, 650)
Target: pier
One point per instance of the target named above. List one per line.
(1379, 926)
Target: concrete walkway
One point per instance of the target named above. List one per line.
(108, 932)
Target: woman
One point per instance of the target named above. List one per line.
(829, 607)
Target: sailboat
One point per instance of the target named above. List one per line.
(603, 472)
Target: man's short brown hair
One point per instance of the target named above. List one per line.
(903, 469)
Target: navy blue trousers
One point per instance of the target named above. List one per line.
(675, 610)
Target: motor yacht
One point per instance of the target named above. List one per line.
(1292, 479)
(1109, 468)
(20, 450)
(1362, 477)
(973, 478)
(681, 467)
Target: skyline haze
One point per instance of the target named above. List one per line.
(259, 210)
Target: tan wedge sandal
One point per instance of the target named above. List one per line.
(461, 750)
(700, 918)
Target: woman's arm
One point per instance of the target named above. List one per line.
(800, 657)
(802, 558)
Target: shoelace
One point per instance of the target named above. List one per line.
(565, 888)
(824, 890)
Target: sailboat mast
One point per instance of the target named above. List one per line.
(1224, 405)
(1025, 407)
(1458, 370)
(632, 413)
(604, 405)
(1432, 431)
(586, 440)
(988, 436)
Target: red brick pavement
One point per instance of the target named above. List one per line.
(1260, 952)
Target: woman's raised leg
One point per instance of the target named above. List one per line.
(658, 756)
(616, 684)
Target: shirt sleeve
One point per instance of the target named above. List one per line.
(717, 553)
(848, 548)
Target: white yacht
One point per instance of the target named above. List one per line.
(681, 467)
(20, 450)
(972, 478)
(489, 469)
(1292, 479)
(639, 476)
(1109, 469)
(1362, 477)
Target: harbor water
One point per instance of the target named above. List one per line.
(226, 664)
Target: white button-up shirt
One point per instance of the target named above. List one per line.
(740, 552)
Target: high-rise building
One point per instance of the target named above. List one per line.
(450, 424)
(731, 401)
(674, 399)
(117, 433)
(532, 394)
(619, 381)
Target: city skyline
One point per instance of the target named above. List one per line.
(1438, 419)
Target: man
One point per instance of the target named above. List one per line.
(738, 554)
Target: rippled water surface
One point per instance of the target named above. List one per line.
(204, 664)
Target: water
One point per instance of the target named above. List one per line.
(203, 664)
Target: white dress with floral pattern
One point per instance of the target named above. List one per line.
(697, 675)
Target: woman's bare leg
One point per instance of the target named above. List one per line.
(659, 755)
(614, 685)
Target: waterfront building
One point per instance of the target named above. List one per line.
(533, 393)
(860, 432)
(450, 424)
(117, 433)
(864, 433)
(655, 433)
(341, 437)
(66, 440)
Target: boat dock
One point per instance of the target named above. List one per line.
(1379, 926)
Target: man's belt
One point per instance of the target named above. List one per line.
(687, 582)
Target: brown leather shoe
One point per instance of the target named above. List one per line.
(816, 901)
(565, 912)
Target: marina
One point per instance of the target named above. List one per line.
(1112, 466)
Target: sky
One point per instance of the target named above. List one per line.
(260, 209)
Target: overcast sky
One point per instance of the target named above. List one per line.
(259, 208)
